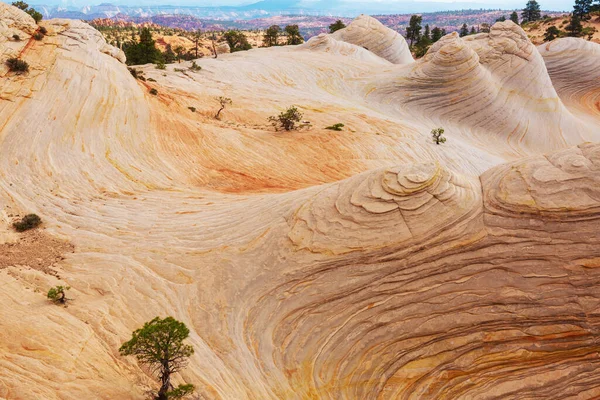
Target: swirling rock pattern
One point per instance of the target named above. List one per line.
(573, 67)
(369, 263)
(367, 32)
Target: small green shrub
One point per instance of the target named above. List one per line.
(153, 91)
(17, 65)
(335, 127)
(192, 109)
(28, 222)
(437, 135)
(151, 80)
(17, 38)
(161, 65)
(287, 119)
(43, 30)
(38, 36)
(195, 67)
(57, 294)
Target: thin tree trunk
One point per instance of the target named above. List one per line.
(219, 112)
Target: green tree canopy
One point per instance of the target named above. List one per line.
(293, 35)
(436, 34)
(582, 9)
(464, 30)
(144, 51)
(336, 26)
(574, 28)
(237, 41)
(413, 30)
(514, 17)
(271, 36)
(159, 345)
(37, 16)
(531, 12)
(551, 33)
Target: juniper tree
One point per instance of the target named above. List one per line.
(223, 101)
(293, 35)
(437, 135)
(159, 345)
(271, 36)
(237, 41)
(336, 26)
(514, 17)
(551, 33)
(464, 30)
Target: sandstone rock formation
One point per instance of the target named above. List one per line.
(363, 264)
(367, 32)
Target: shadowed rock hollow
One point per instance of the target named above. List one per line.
(363, 264)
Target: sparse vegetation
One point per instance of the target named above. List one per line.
(195, 67)
(237, 41)
(153, 91)
(271, 36)
(38, 36)
(159, 345)
(336, 26)
(335, 127)
(437, 135)
(16, 38)
(57, 294)
(17, 65)
(144, 51)
(43, 30)
(30, 221)
(36, 15)
(192, 109)
(293, 35)
(151, 80)
(551, 33)
(287, 119)
(161, 65)
(223, 102)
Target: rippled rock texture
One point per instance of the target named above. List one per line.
(368, 263)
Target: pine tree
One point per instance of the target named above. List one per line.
(436, 34)
(574, 28)
(413, 30)
(514, 17)
(501, 19)
(582, 9)
(169, 55)
(531, 12)
(472, 31)
(464, 31)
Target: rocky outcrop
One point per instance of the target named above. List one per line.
(495, 83)
(367, 32)
(573, 67)
(368, 263)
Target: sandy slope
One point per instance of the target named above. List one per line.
(368, 263)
